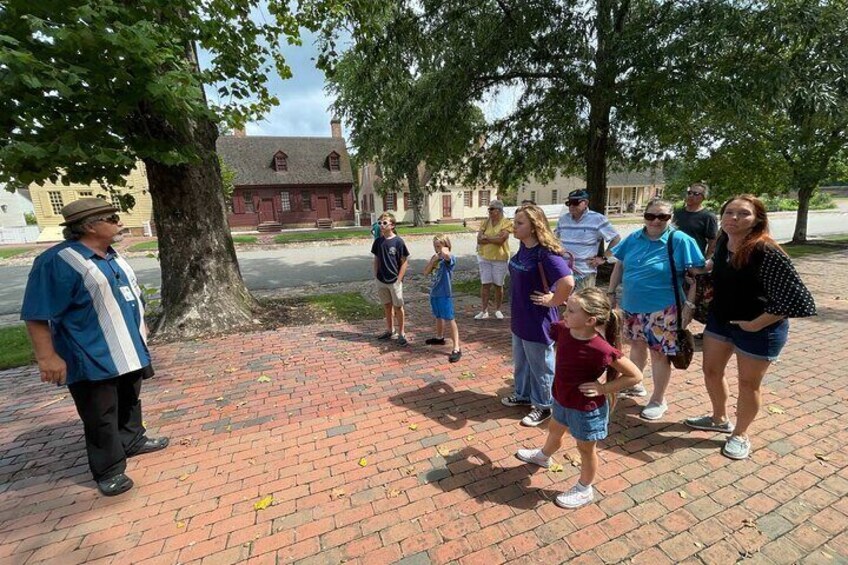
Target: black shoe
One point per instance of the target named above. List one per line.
(536, 417)
(454, 356)
(401, 340)
(150, 445)
(116, 485)
(435, 341)
(386, 335)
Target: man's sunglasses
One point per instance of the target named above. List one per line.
(694, 193)
(651, 217)
(574, 202)
(385, 223)
(113, 219)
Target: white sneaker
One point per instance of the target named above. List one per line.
(638, 390)
(498, 314)
(575, 497)
(654, 410)
(534, 456)
(484, 315)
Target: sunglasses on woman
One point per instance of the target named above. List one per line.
(384, 223)
(661, 217)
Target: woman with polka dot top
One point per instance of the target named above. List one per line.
(756, 289)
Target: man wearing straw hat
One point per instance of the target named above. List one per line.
(85, 317)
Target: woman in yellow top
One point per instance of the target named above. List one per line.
(493, 256)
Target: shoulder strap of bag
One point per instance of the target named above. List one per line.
(674, 284)
(545, 286)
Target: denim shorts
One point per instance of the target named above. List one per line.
(584, 426)
(765, 344)
(442, 307)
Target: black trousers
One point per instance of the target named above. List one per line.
(110, 411)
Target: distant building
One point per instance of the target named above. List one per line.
(289, 181)
(48, 200)
(13, 206)
(626, 191)
(450, 204)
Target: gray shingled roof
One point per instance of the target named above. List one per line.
(252, 159)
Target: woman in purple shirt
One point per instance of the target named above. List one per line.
(541, 280)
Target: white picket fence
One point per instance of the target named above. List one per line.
(23, 234)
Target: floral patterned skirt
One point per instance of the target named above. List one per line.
(657, 329)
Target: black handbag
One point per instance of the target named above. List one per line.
(685, 341)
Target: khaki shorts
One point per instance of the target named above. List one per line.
(390, 293)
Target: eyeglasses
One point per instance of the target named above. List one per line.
(574, 202)
(693, 193)
(661, 217)
(385, 223)
(113, 219)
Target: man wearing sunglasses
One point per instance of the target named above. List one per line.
(581, 231)
(85, 317)
(696, 221)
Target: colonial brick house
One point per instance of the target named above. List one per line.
(289, 181)
(450, 204)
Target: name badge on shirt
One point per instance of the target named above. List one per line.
(128, 294)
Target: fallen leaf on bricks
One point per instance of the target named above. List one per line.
(683, 494)
(409, 470)
(822, 457)
(263, 379)
(466, 375)
(444, 450)
(413, 427)
(337, 493)
(231, 370)
(363, 462)
(181, 524)
(574, 458)
(229, 428)
(185, 441)
(775, 410)
(263, 502)
(469, 438)
(555, 468)
(219, 399)
(184, 476)
(393, 493)
(748, 523)
(251, 461)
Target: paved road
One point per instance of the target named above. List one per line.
(291, 267)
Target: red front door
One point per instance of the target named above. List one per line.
(323, 207)
(266, 210)
(446, 206)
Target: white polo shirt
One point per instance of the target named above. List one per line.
(581, 238)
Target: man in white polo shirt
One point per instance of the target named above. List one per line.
(581, 230)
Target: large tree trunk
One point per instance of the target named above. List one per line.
(202, 288)
(804, 195)
(596, 155)
(416, 198)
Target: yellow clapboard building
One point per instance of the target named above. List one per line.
(48, 200)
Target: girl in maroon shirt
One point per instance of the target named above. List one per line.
(580, 398)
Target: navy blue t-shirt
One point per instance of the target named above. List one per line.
(390, 255)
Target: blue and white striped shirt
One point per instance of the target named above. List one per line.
(95, 310)
(581, 238)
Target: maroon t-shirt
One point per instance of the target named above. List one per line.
(579, 361)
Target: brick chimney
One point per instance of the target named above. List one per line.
(239, 132)
(336, 128)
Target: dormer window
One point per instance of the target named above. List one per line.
(334, 162)
(281, 161)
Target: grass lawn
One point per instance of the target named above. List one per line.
(6, 252)
(346, 306)
(15, 349)
(153, 245)
(330, 235)
(817, 246)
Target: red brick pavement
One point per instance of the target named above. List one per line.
(378, 454)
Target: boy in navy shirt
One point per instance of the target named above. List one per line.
(390, 264)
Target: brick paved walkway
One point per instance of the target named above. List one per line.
(375, 454)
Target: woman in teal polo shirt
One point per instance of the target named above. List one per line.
(648, 297)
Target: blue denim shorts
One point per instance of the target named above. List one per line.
(765, 344)
(442, 307)
(584, 426)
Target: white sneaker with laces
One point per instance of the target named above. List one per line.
(534, 456)
(498, 314)
(484, 315)
(575, 497)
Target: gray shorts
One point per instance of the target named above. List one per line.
(390, 293)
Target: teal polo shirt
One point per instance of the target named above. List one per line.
(647, 269)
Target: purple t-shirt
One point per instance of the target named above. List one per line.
(529, 321)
